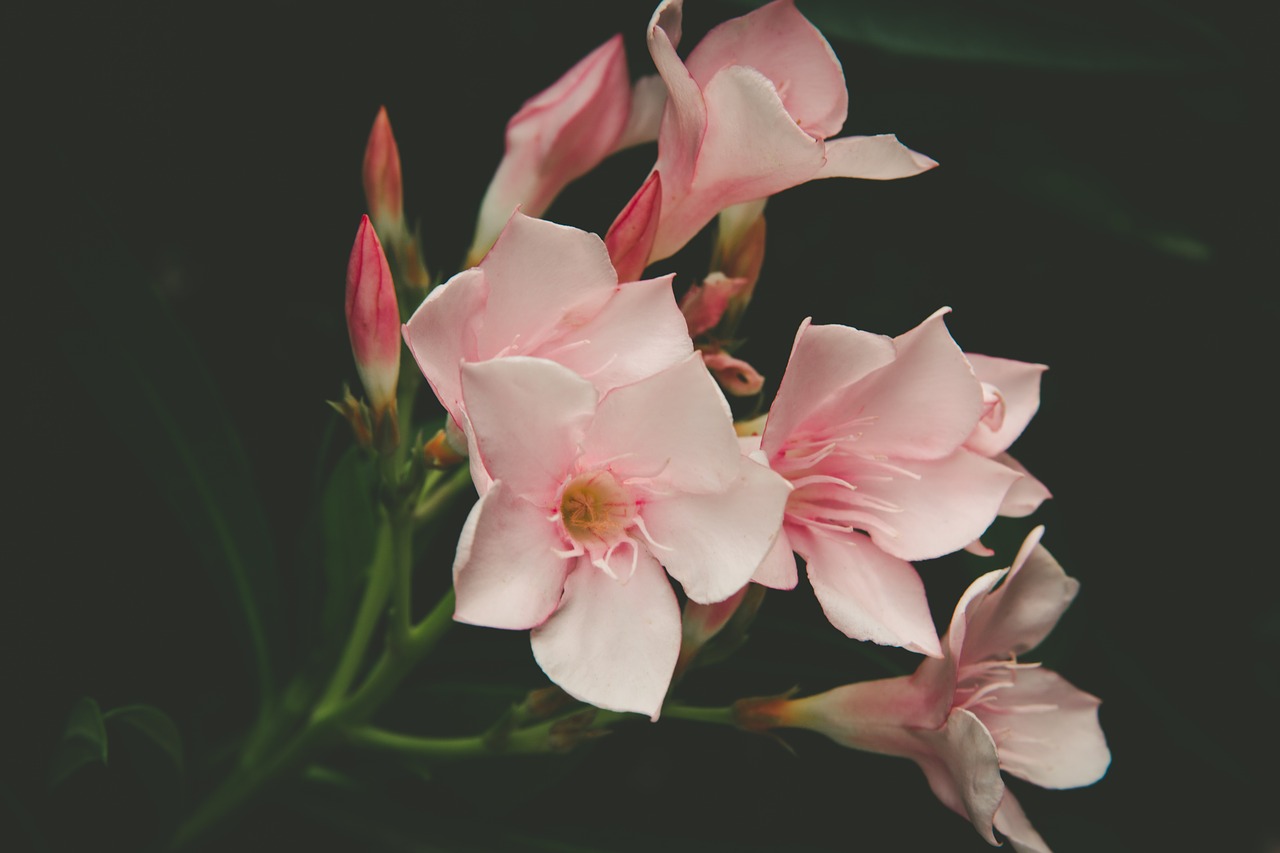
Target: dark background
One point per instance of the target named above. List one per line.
(188, 185)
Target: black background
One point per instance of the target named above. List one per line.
(1115, 223)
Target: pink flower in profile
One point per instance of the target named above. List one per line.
(587, 499)
(373, 320)
(549, 291)
(749, 113)
(564, 132)
(977, 711)
(871, 433)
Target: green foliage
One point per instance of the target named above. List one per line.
(154, 726)
(84, 741)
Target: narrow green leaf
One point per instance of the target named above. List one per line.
(153, 724)
(348, 527)
(84, 741)
(1043, 35)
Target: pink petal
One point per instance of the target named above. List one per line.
(781, 44)
(506, 573)
(558, 135)
(1047, 730)
(704, 304)
(954, 500)
(648, 102)
(713, 543)
(541, 276)
(824, 360)
(685, 118)
(673, 428)
(630, 237)
(523, 441)
(964, 771)
(639, 332)
(866, 593)
(1020, 614)
(778, 569)
(610, 644)
(879, 158)
(1012, 822)
(751, 148)
(925, 404)
(1017, 384)
(873, 716)
(441, 334)
(1025, 495)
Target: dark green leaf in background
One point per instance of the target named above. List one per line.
(154, 725)
(84, 741)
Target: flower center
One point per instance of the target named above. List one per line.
(594, 507)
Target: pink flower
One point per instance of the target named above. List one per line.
(588, 499)
(977, 711)
(546, 290)
(563, 133)
(870, 431)
(373, 320)
(749, 114)
(383, 188)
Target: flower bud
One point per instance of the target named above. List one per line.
(735, 376)
(739, 253)
(383, 187)
(704, 304)
(373, 323)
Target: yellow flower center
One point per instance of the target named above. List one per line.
(594, 507)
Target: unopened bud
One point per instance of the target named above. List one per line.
(704, 304)
(383, 186)
(739, 253)
(373, 324)
(735, 376)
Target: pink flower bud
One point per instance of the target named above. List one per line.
(383, 187)
(734, 375)
(373, 320)
(630, 237)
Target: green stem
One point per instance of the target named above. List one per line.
(375, 596)
(443, 493)
(402, 597)
(719, 716)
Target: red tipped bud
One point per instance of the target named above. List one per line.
(704, 304)
(373, 321)
(383, 187)
(630, 237)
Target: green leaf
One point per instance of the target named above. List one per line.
(154, 725)
(1081, 37)
(348, 527)
(154, 390)
(84, 741)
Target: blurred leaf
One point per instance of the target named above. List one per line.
(153, 388)
(348, 530)
(84, 741)
(154, 725)
(1039, 35)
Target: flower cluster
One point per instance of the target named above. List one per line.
(589, 406)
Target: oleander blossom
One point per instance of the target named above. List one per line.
(748, 114)
(586, 498)
(978, 710)
(1011, 397)
(549, 291)
(871, 433)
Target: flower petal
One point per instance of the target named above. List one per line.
(954, 500)
(1020, 614)
(542, 277)
(673, 428)
(1017, 386)
(963, 769)
(1025, 495)
(879, 158)
(648, 102)
(717, 541)
(640, 332)
(824, 360)
(629, 239)
(441, 334)
(866, 593)
(528, 416)
(1047, 730)
(781, 44)
(685, 117)
(778, 569)
(1012, 822)
(506, 573)
(610, 644)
